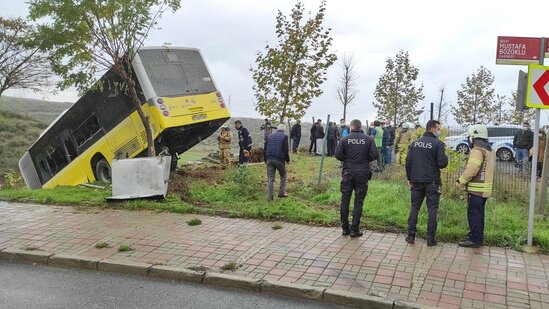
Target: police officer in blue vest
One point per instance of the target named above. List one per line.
(424, 160)
(356, 151)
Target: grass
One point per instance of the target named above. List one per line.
(125, 248)
(241, 192)
(102, 244)
(30, 248)
(194, 222)
(232, 266)
(277, 227)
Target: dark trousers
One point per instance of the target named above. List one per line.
(241, 158)
(332, 143)
(420, 191)
(272, 167)
(350, 183)
(475, 216)
(312, 146)
(295, 143)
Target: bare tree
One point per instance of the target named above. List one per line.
(346, 90)
(442, 105)
(22, 65)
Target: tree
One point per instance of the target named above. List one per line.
(22, 65)
(501, 114)
(346, 91)
(396, 94)
(442, 106)
(475, 101)
(289, 75)
(519, 117)
(87, 37)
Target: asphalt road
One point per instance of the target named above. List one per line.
(32, 286)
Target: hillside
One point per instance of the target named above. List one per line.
(42, 111)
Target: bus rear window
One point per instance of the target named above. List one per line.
(177, 72)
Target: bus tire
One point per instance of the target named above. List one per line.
(103, 171)
(173, 164)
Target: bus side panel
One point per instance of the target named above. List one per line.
(80, 170)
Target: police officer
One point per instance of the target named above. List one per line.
(244, 142)
(477, 180)
(424, 160)
(356, 150)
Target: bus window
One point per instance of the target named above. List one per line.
(86, 130)
(69, 145)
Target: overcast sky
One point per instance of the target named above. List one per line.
(446, 40)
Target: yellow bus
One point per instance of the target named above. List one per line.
(178, 95)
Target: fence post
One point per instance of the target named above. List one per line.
(323, 149)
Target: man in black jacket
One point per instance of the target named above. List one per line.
(295, 135)
(244, 142)
(312, 146)
(276, 156)
(522, 142)
(424, 160)
(356, 150)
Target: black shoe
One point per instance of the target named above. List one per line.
(356, 233)
(346, 232)
(431, 242)
(468, 244)
(411, 238)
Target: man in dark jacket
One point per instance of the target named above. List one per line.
(522, 142)
(319, 137)
(424, 160)
(295, 135)
(312, 146)
(332, 138)
(356, 150)
(276, 156)
(244, 142)
(388, 142)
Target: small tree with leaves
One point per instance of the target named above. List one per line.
(519, 117)
(475, 100)
(88, 37)
(501, 114)
(441, 106)
(289, 75)
(22, 64)
(396, 94)
(346, 90)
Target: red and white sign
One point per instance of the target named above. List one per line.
(538, 86)
(517, 50)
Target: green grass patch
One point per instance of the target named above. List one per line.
(277, 227)
(241, 192)
(101, 245)
(30, 248)
(232, 266)
(194, 222)
(125, 248)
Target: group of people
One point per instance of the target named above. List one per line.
(523, 142)
(356, 150)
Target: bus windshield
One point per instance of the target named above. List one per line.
(176, 72)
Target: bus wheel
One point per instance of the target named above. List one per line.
(103, 171)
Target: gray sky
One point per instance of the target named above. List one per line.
(446, 40)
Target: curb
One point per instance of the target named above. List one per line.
(323, 295)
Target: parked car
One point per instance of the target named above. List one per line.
(499, 137)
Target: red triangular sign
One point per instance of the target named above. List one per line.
(539, 87)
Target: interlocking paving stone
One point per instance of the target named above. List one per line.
(378, 264)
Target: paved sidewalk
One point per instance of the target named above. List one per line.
(377, 264)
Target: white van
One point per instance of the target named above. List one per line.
(499, 137)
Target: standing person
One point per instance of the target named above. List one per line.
(332, 138)
(388, 142)
(267, 130)
(378, 139)
(312, 146)
(319, 137)
(295, 135)
(356, 151)
(424, 160)
(477, 180)
(224, 139)
(244, 142)
(541, 152)
(522, 142)
(276, 156)
(343, 129)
